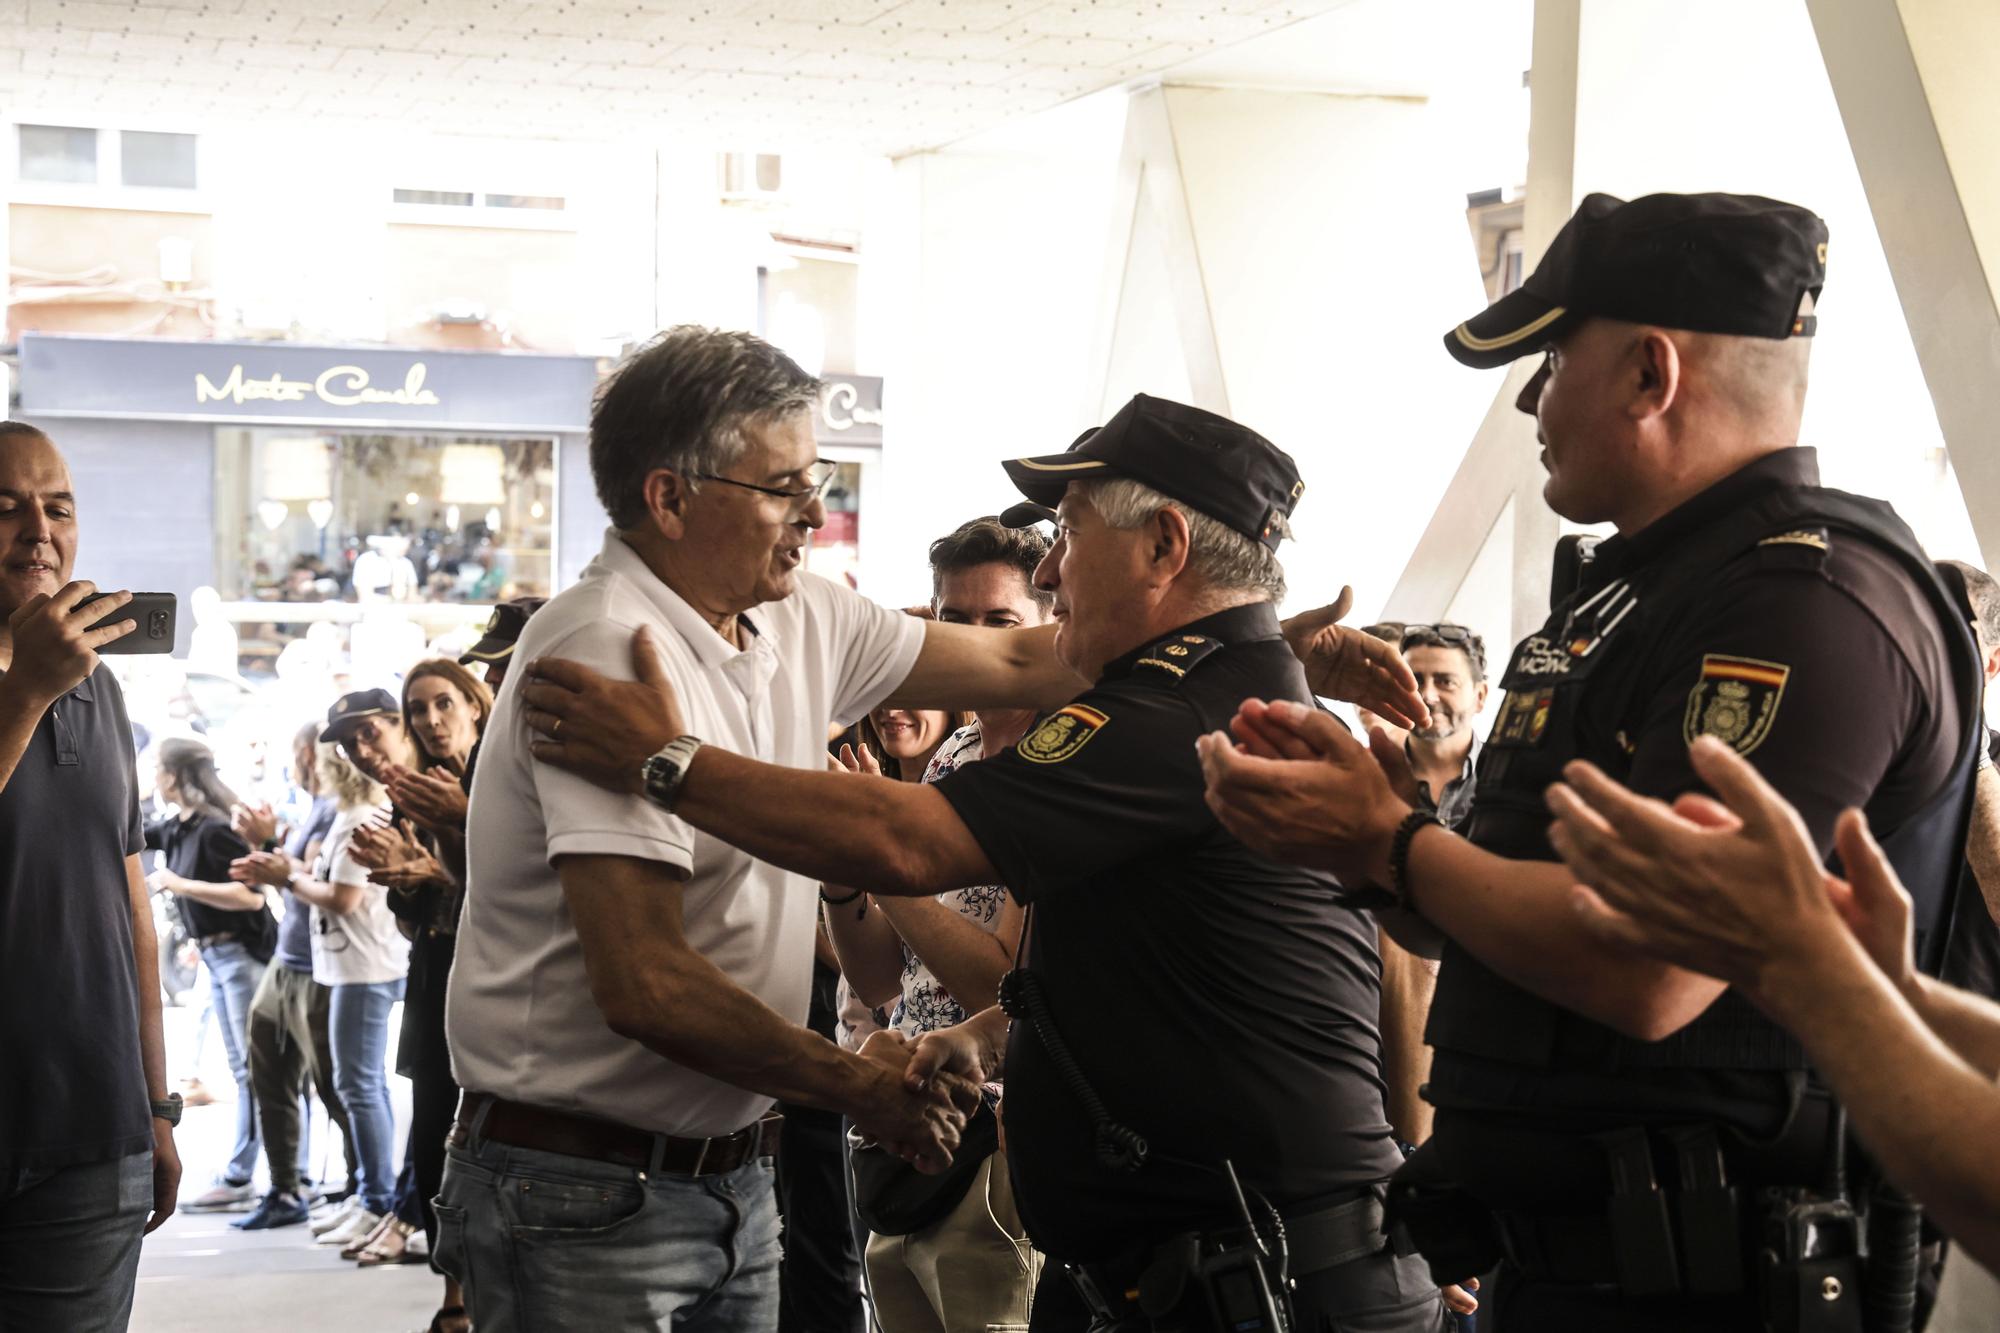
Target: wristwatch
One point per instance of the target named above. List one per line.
(666, 771)
(168, 1110)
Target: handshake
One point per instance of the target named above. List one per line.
(917, 1095)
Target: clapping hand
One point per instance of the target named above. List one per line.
(1293, 784)
(433, 799)
(272, 868)
(255, 823)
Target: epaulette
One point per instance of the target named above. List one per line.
(1179, 655)
(1813, 537)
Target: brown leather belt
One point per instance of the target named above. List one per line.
(523, 1126)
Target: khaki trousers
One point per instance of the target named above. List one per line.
(973, 1272)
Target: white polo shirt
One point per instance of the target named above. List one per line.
(519, 1014)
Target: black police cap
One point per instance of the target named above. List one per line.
(1708, 263)
(503, 630)
(350, 708)
(1207, 462)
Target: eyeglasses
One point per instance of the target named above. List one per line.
(1439, 635)
(818, 477)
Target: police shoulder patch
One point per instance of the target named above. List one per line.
(1735, 700)
(1177, 656)
(1061, 734)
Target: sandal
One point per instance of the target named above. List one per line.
(353, 1249)
(390, 1245)
(451, 1312)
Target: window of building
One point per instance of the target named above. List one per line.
(551, 202)
(435, 198)
(156, 161)
(58, 154)
(71, 155)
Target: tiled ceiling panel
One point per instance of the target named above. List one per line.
(887, 76)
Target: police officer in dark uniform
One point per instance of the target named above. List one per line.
(1194, 1096)
(1642, 1148)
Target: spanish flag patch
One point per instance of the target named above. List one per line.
(1735, 700)
(1061, 734)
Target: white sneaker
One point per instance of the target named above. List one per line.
(357, 1226)
(337, 1216)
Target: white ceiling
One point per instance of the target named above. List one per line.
(878, 76)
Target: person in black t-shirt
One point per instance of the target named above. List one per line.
(231, 924)
(1219, 1005)
(84, 1163)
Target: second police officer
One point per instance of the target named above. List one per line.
(1642, 1148)
(1194, 1097)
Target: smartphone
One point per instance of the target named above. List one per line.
(154, 614)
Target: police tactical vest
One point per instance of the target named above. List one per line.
(1603, 637)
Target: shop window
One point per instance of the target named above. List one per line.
(58, 154)
(391, 521)
(157, 161)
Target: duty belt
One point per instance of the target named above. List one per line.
(1154, 1281)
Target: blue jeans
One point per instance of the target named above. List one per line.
(232, 981)
(69, 1244)
(543, 1241)
(359, 1030)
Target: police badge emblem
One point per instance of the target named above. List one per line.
(1061, 734)
(1735, 701)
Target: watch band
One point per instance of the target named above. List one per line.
(665, 771)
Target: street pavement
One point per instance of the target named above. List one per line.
(199, 1275)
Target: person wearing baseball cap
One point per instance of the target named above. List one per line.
(495, 649)
(1604, 1120)
(1153, 931)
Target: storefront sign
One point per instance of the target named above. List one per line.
(277, 382)
(850, 410)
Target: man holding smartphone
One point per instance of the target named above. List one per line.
(87, 1157)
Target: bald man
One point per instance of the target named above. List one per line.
(87, 1157)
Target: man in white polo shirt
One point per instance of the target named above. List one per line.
(628, 994)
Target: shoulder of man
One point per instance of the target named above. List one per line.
(1848, 569)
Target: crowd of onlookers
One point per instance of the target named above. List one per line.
(313, 925)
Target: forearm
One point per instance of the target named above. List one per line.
(1515, 917)
(832, 828)
(231, 897)
(967, 961)
(868, 949)
(1969, 1024)
(1408, 983)
(339, 899)
(694, 1015)
(146, 961)
(1926, 1115)
(963, 668)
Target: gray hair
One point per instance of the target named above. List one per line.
(680, 403)
(1222, 556)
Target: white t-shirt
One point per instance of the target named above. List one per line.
(519, 1013)
(362, 945)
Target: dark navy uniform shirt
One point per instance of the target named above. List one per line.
(1221, 1005)
(1813, 652)
(72, 1089)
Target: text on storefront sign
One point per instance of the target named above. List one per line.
(338, 386)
